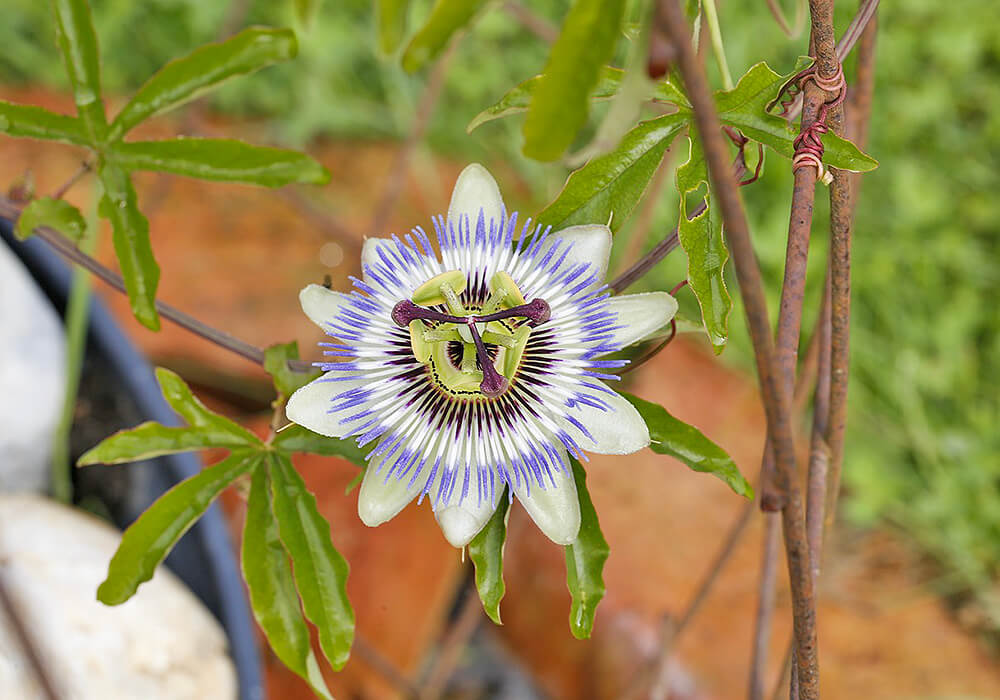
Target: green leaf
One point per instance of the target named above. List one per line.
(130, 231)
(187, 405)
(152, 440)
(560, 104)
(446, 18)
(223, 160)
(486, 553)
(745, 107)
(150, 538)
(609, 186)
(272, 589)
(518, 99)
(585, 562)
(28, 121)
(676, 438)
(320, 571)
(390, 20)
(78, 44)
(286, 381)
(701, 239)
(295, 438)
(54, 213)
(204, 69)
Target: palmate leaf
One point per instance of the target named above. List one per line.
(150, 538)
(273, 597)
(560, 104)
(585, 562)
(296, 438)
(206, 68)
(222, 160)
(320, 571)
(205, 430)
(446, 18)
(676, 438)
(609, 186)
(57, 214)
(130, 234)
(486, 553)
(745, 107)
(29, 121)
(78, 45)
(701, 239)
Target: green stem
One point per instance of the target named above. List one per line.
(712, 19)
(77, 316)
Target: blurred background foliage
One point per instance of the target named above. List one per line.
(924, 444)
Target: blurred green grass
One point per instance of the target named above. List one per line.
(924, 440)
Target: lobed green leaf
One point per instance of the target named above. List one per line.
(676, 438)
(486, 553)
(296, 438)
(609, 186)
(78, 45)
(446, 18)
(320, 571)
(390, 21)
(585, 562)
(150, 538)
(271, 587)
(152, 440)
(187, 405)
(745, 107)
(29, 121)
(53, 213)
(223, 160)
(204, 69)
(701, 239)
(130, 234)
(560, 104)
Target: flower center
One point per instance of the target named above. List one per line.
(466, 346)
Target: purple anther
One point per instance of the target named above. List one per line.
(406, 311)
(536, 311)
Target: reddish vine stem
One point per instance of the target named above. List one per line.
(776, 396)
(765, 606)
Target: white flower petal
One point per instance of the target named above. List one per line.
(555, 509)
(310, 406)
(321, 304)
(475, 190)
(590, 243)
(619, 430)
(461, 522)
(640, 314)
(381, 499)
(369, 253)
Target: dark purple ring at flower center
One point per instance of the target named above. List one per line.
(536, 311)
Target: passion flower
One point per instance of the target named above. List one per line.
(478, 364)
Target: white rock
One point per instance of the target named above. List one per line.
(162, 644)
(32, 378)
